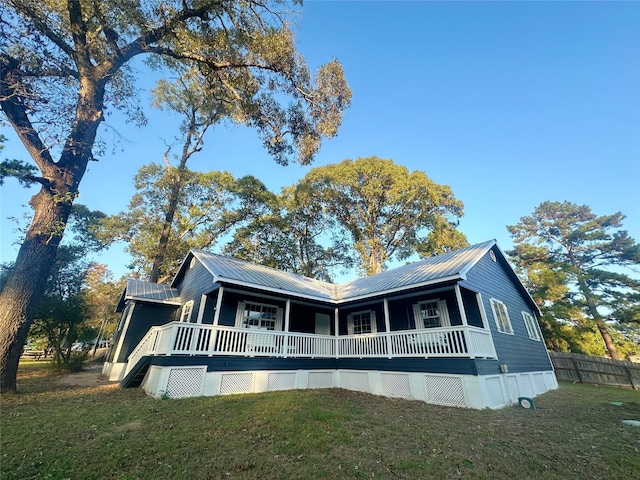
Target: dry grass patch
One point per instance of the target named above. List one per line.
(56, 430)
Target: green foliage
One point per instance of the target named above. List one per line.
(207, 205)
(78, 298)
(65, 65)
(579, 267)
(59, 321)
(387, 211)
(21, 171)
(239, 56)
(294, 235)
(77, 361)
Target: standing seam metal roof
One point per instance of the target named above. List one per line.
(151, 291)
(445, 266)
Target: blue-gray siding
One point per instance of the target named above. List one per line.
(145, 316)
(517, 351)
(459, 366)
(195, 281)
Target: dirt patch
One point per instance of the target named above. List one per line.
(90, 376)
(129, 427)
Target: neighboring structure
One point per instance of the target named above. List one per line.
(456, 329)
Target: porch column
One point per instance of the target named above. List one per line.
(336, 321)
(287, 309)
(387, 326)
(463, 314)
(216, 314)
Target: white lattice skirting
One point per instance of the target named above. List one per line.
(466, 391)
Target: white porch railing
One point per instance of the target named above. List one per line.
(178, 338)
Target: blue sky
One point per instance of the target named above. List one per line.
(509, 103)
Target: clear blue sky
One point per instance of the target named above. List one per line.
(509, 103)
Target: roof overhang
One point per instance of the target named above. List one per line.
(391, 291)
(280, 291)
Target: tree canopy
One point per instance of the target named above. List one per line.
(64, 64)
(388, 211)
(205, 207)
(578, 265)
(294, 235)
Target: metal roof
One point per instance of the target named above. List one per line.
(240, 272)
(150, 292)
(447, 266)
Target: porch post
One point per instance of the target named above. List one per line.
(216, 314)
(463, 314)
(336, 321)
(287, 309)
(387, 326)
(285, 343)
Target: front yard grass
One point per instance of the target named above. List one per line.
(53, 430)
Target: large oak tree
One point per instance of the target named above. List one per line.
(62, 63)
(294, 235)
(387, 211)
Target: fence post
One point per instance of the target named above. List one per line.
(634, 384)
(576, 369)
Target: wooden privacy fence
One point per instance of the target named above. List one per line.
(573, 367)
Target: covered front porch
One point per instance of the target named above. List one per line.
(178, 338)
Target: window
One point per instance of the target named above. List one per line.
(259, 315)
(187, 308)
(501, 316)
(359, 323)
(431, 314)
(530, 323)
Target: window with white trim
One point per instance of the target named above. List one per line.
(187, 308)
(259, 315)
(530, 323)
(359, 323)
(501, 316)
(431, 314)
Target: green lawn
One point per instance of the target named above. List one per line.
(54, 431)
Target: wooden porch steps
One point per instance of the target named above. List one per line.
(135, 377)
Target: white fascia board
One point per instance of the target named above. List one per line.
(471, 264)
(153, 300)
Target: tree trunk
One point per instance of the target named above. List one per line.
(595, 315)
(23, 290)
(177, 184)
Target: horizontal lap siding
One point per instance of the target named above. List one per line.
(196, 281)
(401, 311)
(145, 316)
(460, 366)
(517, 351)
